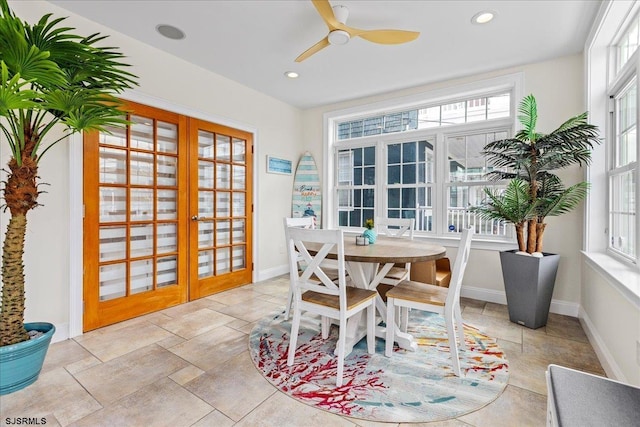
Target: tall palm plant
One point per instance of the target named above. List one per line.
(528, 160)
(48, 77)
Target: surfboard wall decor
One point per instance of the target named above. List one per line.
(307, 194)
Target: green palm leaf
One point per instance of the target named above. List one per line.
(513, 204)
(528, 117)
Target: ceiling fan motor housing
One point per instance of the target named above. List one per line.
(339, 37)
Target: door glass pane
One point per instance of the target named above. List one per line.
(239, 234)
(223, 261)
(238, 204)
(167, 173)
(223, 204)
(113, 204)
(223, 232)
(238, 177)
(205, 204)
(223, 176)
(141, 276)
(167, 238)
(141, 168)
(205, 263)
(205, 174)
(205, 144)
(167, 269)
(141, 133)
(112, 281)
(237, 262)
(114, 135)
(167, 204)
(205, 234)
(141, 240)
(141, 204)
(223, 148)
(113, 243)
(167, 137)
(113, 166)
(239, 150)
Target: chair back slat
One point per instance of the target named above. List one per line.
(395, 227)
(313, 277)
(303, 222)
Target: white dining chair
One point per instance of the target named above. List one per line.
(435, 299)
(396, 227)
(331, 267)
(314, 291)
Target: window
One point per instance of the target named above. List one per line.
(410, 178)
(424, 162)
(466, 182)
(623, 171)
(622, 144)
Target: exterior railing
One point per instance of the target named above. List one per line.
(459, 218)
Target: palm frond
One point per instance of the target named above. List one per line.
(72, 79)
(564, 201)
(528, 117)
(513, 204)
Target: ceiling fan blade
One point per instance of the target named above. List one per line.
(326, 13)
(313, 49)
(385, 36)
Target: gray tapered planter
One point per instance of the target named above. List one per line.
(528, 283)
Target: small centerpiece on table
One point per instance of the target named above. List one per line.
(369, 233)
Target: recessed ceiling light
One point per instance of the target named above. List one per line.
(483, 17)
(291, 74)
(170, 32)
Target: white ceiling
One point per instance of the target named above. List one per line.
(255, 41)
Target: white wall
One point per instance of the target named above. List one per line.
(558, 86)
(174, 82)
(612, 321)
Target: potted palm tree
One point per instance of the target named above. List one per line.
(532, 194)
(52, 83)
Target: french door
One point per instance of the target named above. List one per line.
(167, 214)
(220, 208)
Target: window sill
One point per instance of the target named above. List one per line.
(623, 277)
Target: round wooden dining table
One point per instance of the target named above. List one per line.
(367, 265)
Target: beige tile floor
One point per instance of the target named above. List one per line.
(189, 366)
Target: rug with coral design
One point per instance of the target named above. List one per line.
(409, 387)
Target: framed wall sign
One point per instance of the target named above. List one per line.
(277, 165)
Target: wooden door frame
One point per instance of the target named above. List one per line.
(76, 208)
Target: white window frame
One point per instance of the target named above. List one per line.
(602, 79)
(513, 83)
(617, 80)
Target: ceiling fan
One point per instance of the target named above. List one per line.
(335, 17)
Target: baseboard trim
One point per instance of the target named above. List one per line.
(270, 273)
(62, 332)
(604, 356)
(565, 308)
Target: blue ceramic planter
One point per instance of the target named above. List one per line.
(20, 363)
(371, 235)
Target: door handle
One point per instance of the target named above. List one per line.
(195, 218)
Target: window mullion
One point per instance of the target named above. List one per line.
(440, 189)
(381, 180)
